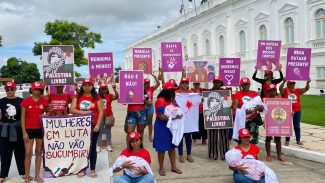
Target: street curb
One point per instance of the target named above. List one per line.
(299, 153)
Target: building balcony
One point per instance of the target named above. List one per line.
(318, 43)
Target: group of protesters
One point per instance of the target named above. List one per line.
(20, 124)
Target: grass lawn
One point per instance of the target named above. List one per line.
(313, 109)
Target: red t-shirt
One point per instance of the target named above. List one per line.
(294, 96)
(136, 107)
(161, 102)
(59, 102)
(33, 111)
(107, 104)
(142, 154)
(187, 91)
(87, 104)
(251, 153)
(150, 91)
(243, 97)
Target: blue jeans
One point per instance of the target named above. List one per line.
(147, 178)
(136, 117)
(296, 126)
(241, 178)
(188, 142)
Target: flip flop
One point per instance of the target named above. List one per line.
(162, 173)
(24, 177)
(269, 158)
(93, 175)
(177, 171)
(81, 174)
(190, 159)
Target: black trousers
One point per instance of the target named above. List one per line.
(93, 152)
(218, 143)
(202, 133)
(6, 150)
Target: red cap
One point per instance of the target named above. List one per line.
(169, 85)
(290, 81)
(37, 85)
(268, 73)
(134, 135)
(146, 80)
(184, 79)
(172, 81)
(218, 79)
(10, 84)
(243, 132)
(245, 81)
(103, 86)
(87, 80)
(271, 86)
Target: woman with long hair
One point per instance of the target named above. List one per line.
(88, 101)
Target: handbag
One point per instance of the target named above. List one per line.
(110, 121)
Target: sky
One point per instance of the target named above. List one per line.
(120, 23)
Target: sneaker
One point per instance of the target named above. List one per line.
(300, 143)
(109, 149)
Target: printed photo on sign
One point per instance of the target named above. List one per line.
(171, 57)
(217, 109)
(268, 55)
(278, 119)
(101, 67)
(58, 64)
(142, 60)
(229, 71)
(200, 71)
(131, 87)
(298, 64)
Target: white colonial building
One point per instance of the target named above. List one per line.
(231, 28)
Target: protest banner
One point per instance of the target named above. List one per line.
(200, 71)
(101, 67)
(217, 109)
(171, 56)
(268, 55)
(69, 89)
(66, 143)
(131, 87)
(278, 119)
(142, 60)
(58, 61)
(298, 64)
(229, 71)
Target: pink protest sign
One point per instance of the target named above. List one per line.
(200, 71)
(268, 55)
(131, 87)
(171, 56)
(142, 60)
(69, 89)
(101, 67)
(229, 71)
(278, 119)
(298, 64)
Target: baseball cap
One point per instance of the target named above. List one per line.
(10, 84)
(290, 81)
(244, 81)
(103, 86)
(218, 79)
(243, 132)
(184, 79)
(271, 86)
(169, 85)
(268, 73)
(87, 80)
(134, 135)
(37, 85)
(146, 80)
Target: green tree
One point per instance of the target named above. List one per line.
(63, 32)
(77, 74)
(116, 73)
(0, 41)
(21, 73)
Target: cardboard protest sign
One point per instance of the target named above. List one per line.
(101, 67)
(298, 64)
(268, 55)
(217, 109)
(229, 71)
(69, 89)
(200, 71)
(66, 143)
(171, 57)
(142, 60)
(131, 87)
(58, 61)
(278, 119)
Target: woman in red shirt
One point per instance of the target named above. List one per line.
(85, 102)
(293, 94)
(59, 101)
(31, 110)
(108, 119)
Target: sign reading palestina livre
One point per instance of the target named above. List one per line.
(278, 119)
(66, 143)
(171, 57)
(229, 71)
(298, 64)
(200, 71)
(268, 55)
(217, 109)
(69, 89)
(131, 87)
(58, 61)
(101, 67)
(142, 60)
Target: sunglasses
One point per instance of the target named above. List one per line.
(9, 89)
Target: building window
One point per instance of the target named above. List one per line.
(289, 30)
(320, 23)
(242, 37)
(207, 47)
(263, 32)
(195, 51)
(320, 72)
(222, 45)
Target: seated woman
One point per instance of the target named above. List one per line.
(248, 151)
(135, 162)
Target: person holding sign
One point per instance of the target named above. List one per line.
(108, 119)
(293, 94)
(162, 140)
(271, 90)
(59, 101)
(150, 110)
(267, 81)
(85, 102)
(11, 139)
(31, 110)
